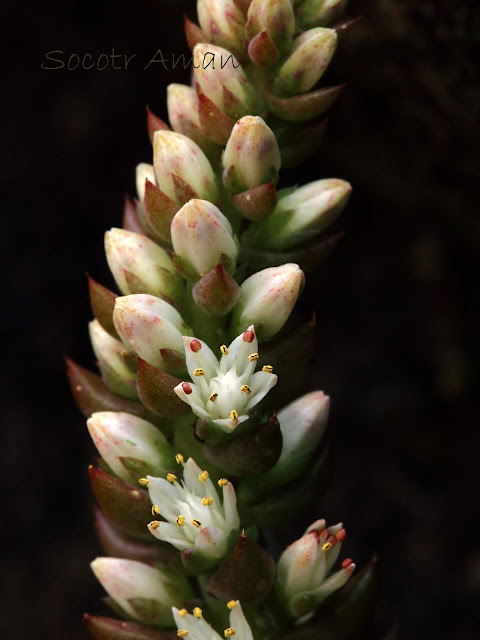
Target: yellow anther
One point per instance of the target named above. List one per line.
(143, 482)
(182, 613)
(327, 546)
(155, 510)
(207, 502)
(155, 524)
(253, 356)
(171, 477)
(234, 415)
(222, 482)
(246, 389)
(213, 397)
(182, 633)
(232, 604)
(179, 458)
(204, 476)
(229, 632)
(199, 372)
(196, 523)
(224, 349)
(181, 521)
(197, 612)
(267, 368)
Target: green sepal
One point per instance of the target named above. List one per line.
(152, 612)
(196, 563)
(185, 269)
(102, 628)
(307, 106)
(159, 211)
(155, 390)
(257, 203)
(173, 361)
(216, 125)
(139, 468)
(216, 293)
(102, 301)
(154, 123)
(183, 191)
(263, 51)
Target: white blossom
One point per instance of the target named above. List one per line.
(195, 627)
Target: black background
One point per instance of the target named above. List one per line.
(397, 304)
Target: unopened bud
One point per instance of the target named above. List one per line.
(108, 351)
(310, 57)
(131, 447)
(139, 265)
(144, 593)
(319, 13)
(221, 78)
(201, 234)
(304, 213)
(181, 168)
(147, 324)
(223, 23)
(267, 299)
(252, 156)
(276, 17)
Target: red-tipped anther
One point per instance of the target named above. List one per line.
(341, 535)
(347, 563)
(248, 336)
(195, 346)
(186, 388)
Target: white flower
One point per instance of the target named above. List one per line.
(223, 392)
(195, 627)
(195, 516)
(305, 565)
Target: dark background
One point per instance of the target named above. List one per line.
(397, 304)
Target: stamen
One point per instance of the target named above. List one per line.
(222, 482)
(253, 356)
(229, 632)
(248, 336)
(207, 502)
(232, 604)
(195, 346)
(267, 368)
(155, 510)
(181, 521)
(327, 546)
(204, 476)
(182, 613)
(186, 388)
(171, 477)
(143, 482)
(196, 523)
(197, 612)
(346, 563)
(182, 633)
(234, 415)
(179, 458)
(154, 524)
(246, 389)
(224, 349)
(199, 372)
(213, 397)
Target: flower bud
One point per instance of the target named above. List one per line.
(267, 299)
(147, 324)
(144, 593)
(108, 351)
(319, 13)
(223, 23)
(139, 265)
(201, 234)
(181, 168)
(304, 213)
(252, 156)
(143, 172)
(131, 447)
(221, 78)
(276, 17)
(310, 57)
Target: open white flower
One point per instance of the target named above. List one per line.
(195, 516)
(223, 392)
(195, 627)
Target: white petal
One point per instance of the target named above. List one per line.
(171, 533)
(318, 525)
(240, 624)
(232, 520)
(260, 384)
(333, 583)
(212, 542)
(296, 569)
(228, 425)
(191, 472)
(238, 352)
(204, 358)
(164, 494)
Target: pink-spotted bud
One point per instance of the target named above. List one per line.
(108, 351)
(251, 157)
(311, 54)
(303, 571)
(276, 17)
(223, 23)
(181, 168)
(182, 105)
(132, 447)
(221, 78)
(319, 13)
(147, 325)
(144, 593)
(267, 299)
(140, 265)
(201, 235)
